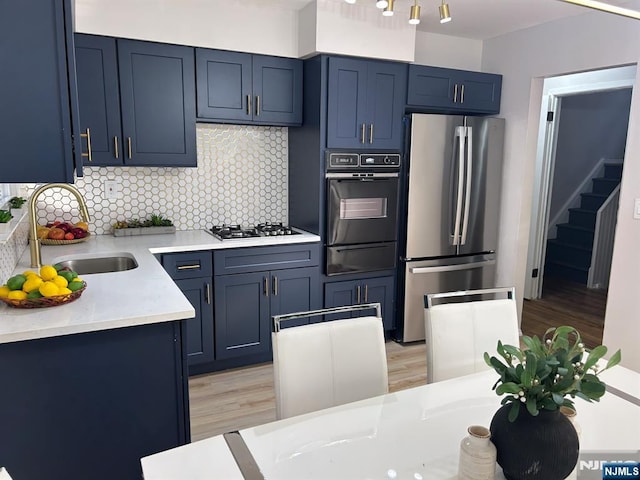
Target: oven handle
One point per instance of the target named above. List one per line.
(357, 176)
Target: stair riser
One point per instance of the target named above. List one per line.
(613, 171)
(575, 237)
(603, 186)
(555, 270)
(591, 203)
(582, 219)
(561, 253)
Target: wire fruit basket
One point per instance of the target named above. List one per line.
(48, 241)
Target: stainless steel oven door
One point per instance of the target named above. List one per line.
(362, 209)
(361, 258)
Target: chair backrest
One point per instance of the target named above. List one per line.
(4, 475)
(458, 334)
(325, 364)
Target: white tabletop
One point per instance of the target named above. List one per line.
(412, 434)
(204, 460)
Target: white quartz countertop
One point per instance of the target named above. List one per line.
(141, 296)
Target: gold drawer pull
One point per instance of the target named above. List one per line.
(188, 267)
(88, 137)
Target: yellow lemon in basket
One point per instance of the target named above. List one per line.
(17, 295)
(60, 281)
(33, 283)
(47, 272)
(26, 273)
(49, 289)
(64, 291)
(4, 291)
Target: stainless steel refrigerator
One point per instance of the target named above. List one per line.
(453, 207)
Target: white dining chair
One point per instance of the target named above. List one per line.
(321, 365)
(457, 334)
(4, 475)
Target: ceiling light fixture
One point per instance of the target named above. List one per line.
(605, 7)
(445, 15)
(350, 1)
(388, 11)
(414, 17)
(382, 4)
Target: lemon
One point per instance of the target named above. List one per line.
(47, 272)
(26, 273)
(60, 281)
(48, 289)
(16, 282)
(33, 283)
(4, 291)
(17, 295)
(64, 291)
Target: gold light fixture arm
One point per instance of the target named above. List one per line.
(606, 7)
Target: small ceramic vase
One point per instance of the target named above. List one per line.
(477, 455)
(571, 414)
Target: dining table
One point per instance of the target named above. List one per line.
(411, 434)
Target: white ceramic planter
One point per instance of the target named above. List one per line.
(5, 228)
(477, 455)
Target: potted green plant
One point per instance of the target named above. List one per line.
(156, 224)
(16, 205)
(5, 218)
(536, 382)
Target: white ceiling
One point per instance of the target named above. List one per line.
(479, 19)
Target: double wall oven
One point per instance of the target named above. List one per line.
(362, 212)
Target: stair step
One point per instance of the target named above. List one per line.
(613, 170)
(575, 235)
(604, 185)
(582, 217)
(566, 271)
(592, 201)
(562, 252)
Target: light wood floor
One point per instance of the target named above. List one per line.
(243, 397)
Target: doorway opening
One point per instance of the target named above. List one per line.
(579, 165)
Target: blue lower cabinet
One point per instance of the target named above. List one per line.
(368, 290)
(200, 347)
(295, 290)
(90, 405)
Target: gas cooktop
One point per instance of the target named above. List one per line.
(268, 229)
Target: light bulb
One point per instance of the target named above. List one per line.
(350, 1)
(382, 4)
(388, 11)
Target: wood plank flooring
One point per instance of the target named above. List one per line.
(243, 397)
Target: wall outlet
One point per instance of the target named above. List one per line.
(636, 209)
(111, 189)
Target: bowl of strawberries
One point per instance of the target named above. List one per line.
(63, 233)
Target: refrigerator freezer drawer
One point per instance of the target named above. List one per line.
(438, 276)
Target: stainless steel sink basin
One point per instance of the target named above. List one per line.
(87, 266)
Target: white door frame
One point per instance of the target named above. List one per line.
(553, 90)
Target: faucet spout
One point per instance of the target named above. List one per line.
(34, 241)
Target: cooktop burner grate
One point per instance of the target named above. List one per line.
(267, 229)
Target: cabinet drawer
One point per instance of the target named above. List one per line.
(256, 259)
(187, 265)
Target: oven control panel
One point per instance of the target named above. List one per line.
(339, 161)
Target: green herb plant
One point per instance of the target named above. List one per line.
(5, 216)
(548, 371)
(16, 202)
(153, 221)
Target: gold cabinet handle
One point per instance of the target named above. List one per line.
(462, 93)
(455, 93)
(371, 133)
(265, 286)
(129, 147)
(188, 267)
(87, 135)
(207, 293)
(358, 294)
(362, 133)
(275, 285)
(257, 105)
(248, 104)
(366, 293)
(115, 146)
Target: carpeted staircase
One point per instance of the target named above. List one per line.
(569, 254)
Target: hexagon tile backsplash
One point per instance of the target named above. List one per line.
(242, 177)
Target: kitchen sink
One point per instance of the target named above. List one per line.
(87, 266)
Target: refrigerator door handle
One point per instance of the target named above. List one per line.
(460, 135)
(467, 190)
(452, 268)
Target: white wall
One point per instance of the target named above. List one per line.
(585, 42)
(450, 52)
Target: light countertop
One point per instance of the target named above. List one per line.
(141, 296)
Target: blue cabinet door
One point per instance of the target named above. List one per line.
(386, 93)
(157, 95)
(381, 290)
(341, 294)
(200, 328)
(99, 98)
(37, 117)
(480, 92)
(277, 90)
(346, 103)
(242, 323)
(430, 87)
(295, 290)
(224, 85)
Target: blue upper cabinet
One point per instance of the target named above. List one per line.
(365, 104)
(137, 100)
(448, 90)
(244, 88)
(38, 113)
